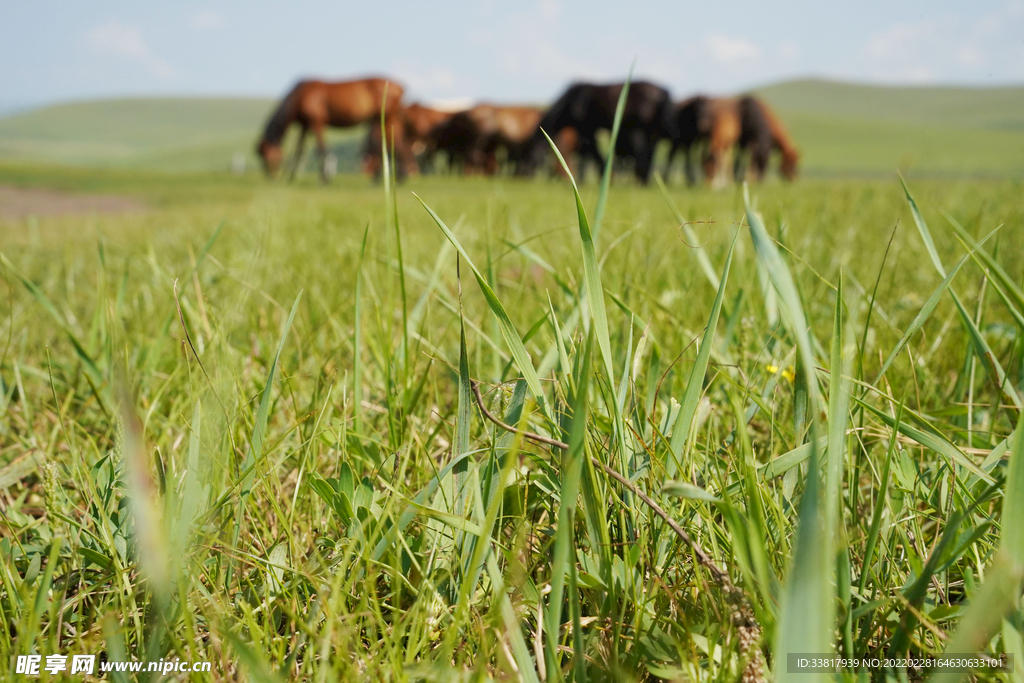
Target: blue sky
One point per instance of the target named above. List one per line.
(503, 51)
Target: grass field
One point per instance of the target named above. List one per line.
(241, 427)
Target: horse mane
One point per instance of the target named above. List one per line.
(282, 117)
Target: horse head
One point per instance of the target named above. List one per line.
(790, 159)
(272, 155)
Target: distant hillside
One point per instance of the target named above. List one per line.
(166, 133)
(989, 108)
(869, 129)
(841, 129)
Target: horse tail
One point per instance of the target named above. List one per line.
(282, 116)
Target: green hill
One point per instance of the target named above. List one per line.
(163, 133)
(845, 128)
(841, 129)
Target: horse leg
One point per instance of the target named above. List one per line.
(404, 153)
(588, 148)
(691, 172)
(668, 162)
(759, 161)
(642, 148)
(298, 153)
(321, 150)
(738, 170)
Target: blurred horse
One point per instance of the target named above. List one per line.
(761, 133)
(693, 127)
(508, 128)
(314, 105)
(589, 108)
(723, 135)
(473, 138)
(458, 139)
(419, 121)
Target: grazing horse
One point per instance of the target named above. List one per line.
(314, 105)
(508, 128)
(761, 132)
(419, 121)
(693, 126)
(473, 138)
(723, 134)
(458, 138)
(589, 108)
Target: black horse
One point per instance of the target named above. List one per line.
(647, 118)
(693, 126)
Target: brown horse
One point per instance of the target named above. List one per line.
(723, 134)
(419, 121)
(508, 128)
(473, 138)
(315, 105)
(761, 134)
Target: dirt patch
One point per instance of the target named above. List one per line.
(19, 202)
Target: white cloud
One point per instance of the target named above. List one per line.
(114, 39)
(949, 47)
(968, 56)
(550, 11)
(730, 49)
(207, 20)
(422, 79)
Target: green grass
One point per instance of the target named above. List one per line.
(235, 496)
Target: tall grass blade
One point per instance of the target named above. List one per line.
(806, 614)
(929, 438)
(1012, 520)
(193, 494)
(984, 617)
(778, 272)
(563, 559)
(838, 412)
(606, 176)
(591, 270)
(992, 366)
(254, 454)
(357, 341)
(508, 330)
(682, 432)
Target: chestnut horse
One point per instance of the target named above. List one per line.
(723, 134)
(588, 108)
(761, 133)
(314, 105)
